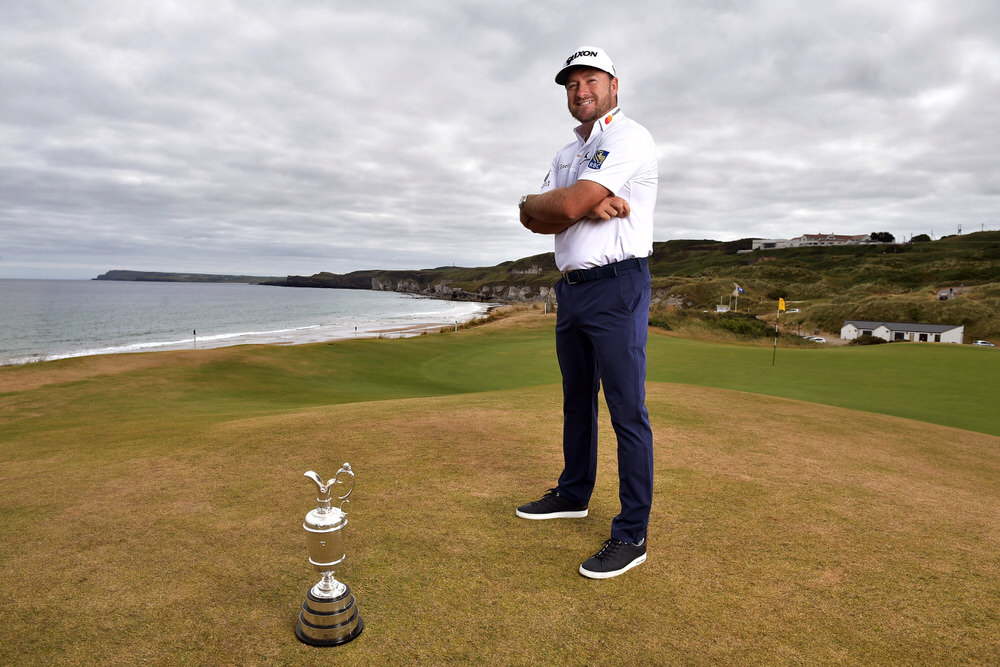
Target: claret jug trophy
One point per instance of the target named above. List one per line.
(329, 614)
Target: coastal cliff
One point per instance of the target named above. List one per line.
(525, 280)
(877, 282)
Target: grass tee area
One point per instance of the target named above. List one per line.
(838, 507)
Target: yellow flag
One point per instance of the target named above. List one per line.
(781, 305)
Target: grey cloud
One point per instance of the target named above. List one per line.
(279, 138)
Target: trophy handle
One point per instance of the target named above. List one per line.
(324, 488)
(344, 470)
(325, 497)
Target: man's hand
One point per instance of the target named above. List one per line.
(610, 207)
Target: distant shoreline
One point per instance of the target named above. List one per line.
(196, 344)
(52, 320)
(168, 277)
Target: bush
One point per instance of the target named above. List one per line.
(741, 325)
(868, 340)
(657, 318)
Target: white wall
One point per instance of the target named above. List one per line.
(956, 335)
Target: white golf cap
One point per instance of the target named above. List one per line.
(586, 56)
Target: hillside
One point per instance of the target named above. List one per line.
(890, 282)
(896, 283)
(828, 285)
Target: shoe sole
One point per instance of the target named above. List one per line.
(614, 573)
(576, 514)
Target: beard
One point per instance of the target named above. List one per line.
(590, 113)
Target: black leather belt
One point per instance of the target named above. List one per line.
(606, 271)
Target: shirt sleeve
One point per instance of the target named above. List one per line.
(549, 182)
(619, 156)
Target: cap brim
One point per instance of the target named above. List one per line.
(564, 72)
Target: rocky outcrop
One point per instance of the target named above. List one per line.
(515, 292)
(524, 280)
(670, 300)
(443, 289)
(407, 285)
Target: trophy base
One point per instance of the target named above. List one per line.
(329, 622)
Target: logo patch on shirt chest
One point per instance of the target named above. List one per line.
(598, 160)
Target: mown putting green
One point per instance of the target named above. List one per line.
(950, 385)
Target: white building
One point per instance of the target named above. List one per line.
(903, 331)
(810, 240)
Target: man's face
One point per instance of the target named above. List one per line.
(590, 93)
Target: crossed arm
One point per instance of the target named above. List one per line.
(559, 209)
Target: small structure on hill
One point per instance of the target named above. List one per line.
(950, 293)
(811, 240)
(904, 331)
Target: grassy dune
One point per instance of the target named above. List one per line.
(151, 507)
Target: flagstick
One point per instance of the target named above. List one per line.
(775, 351)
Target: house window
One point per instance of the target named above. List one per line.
(899, 335)
(937, 338)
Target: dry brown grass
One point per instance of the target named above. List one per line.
(34, 376)
(782, 533)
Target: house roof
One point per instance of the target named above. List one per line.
(904, 326)
(841, 238)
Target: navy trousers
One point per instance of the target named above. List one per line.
(601, 331)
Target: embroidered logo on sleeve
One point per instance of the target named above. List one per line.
(598, 160)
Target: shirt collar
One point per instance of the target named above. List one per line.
(604, 122)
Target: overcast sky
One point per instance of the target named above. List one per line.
(293, 137)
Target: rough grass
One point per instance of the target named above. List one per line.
(151, 509)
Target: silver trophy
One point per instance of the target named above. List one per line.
(329, 614)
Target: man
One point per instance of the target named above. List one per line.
(598, 200)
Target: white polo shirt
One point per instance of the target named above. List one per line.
(620, 155)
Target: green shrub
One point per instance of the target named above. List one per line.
(658, 319)
(741, 325)
(868, 340)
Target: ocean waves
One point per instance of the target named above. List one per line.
(46, 320)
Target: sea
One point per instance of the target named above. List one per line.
(42, 320)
